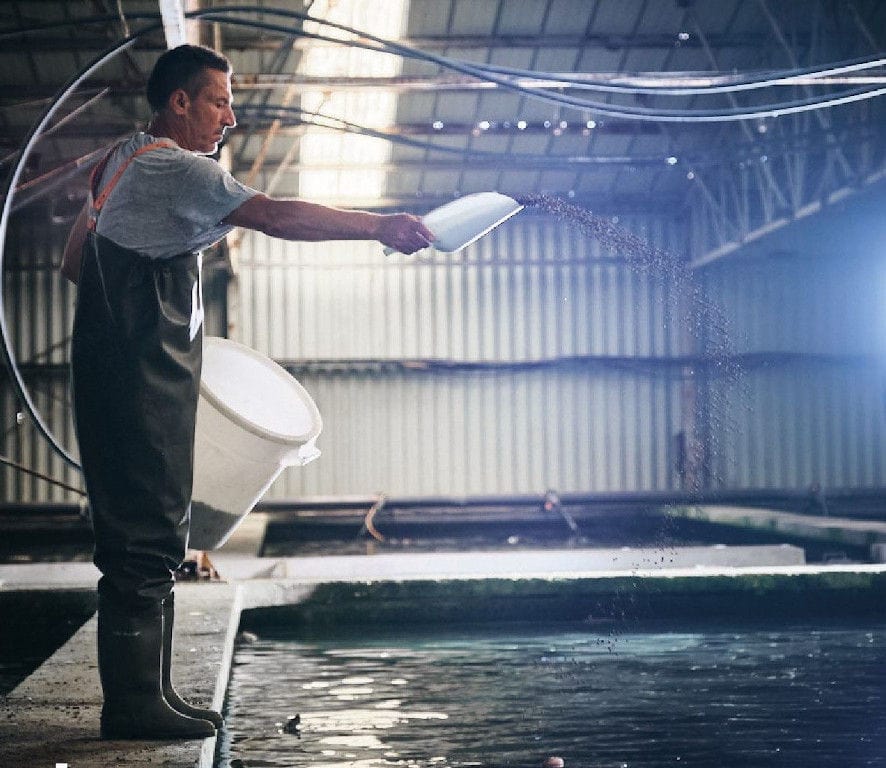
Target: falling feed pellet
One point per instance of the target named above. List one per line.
(703, 319)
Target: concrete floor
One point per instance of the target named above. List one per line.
(51, 719)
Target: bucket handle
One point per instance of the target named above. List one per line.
(305, 454)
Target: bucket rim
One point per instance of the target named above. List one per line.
(249, 425)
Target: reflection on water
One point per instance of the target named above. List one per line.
(799, 697)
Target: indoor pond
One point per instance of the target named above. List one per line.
(801, 696)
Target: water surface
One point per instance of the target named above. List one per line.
(803, 697)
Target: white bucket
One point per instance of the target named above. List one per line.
(253, 420)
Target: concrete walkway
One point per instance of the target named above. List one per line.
(834, 530)
(51, 719)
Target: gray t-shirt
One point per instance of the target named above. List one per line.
(168, 201)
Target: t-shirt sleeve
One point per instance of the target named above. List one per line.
(209, 193)
(171, 201)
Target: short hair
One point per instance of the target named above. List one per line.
(182, 67)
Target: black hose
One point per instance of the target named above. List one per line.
(27, 146)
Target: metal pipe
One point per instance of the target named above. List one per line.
(28, 145)
(792, 499)
(34, 473)
(57, 176)
(173, 14)
(75, 112)
(740, 497)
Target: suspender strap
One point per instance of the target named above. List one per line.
(100, 198)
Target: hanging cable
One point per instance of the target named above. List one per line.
(29, 142)
(636, 113)
(107, 18)
(762, 80)
(646, 83)
(502, 76)
(709, 157)
(630, 84)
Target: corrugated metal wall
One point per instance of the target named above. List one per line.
(807, 422)
(810, 406)
(549, 363)
(568, 428)
(531, 290)
(39, 306)
(532, 360)
(39, 309)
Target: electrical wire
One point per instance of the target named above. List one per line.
(737, 83)
(288, 115)
(319, 120)
(629, 83)
(27, 146)
(502, 76)
(640, 84)
(297, 116)
(795, 106)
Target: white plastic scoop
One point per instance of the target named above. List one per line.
(461, 222)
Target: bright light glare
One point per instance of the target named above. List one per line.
(372, 107)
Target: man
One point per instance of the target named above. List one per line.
(155, 202)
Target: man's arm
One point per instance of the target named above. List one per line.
(301, 220)
(73, 248)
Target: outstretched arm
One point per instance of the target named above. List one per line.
(301, 220)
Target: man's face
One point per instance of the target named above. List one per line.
(208, 113)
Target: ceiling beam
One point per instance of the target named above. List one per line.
(298, 83)
(607, 41)
(498, 128)
(513, 162)
(173, 14)
(89, 41)
(808, 143)
(600, 202)
(558, 81)
(812, 208)
(100, 129)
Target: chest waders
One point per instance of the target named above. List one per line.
(135, 367)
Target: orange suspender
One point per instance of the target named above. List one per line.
(109, 187)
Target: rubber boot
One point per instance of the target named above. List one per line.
(169, 693)
(129, 664)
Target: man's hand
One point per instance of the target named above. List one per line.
(404, 233)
